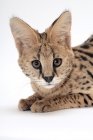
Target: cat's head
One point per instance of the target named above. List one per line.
(45, 58)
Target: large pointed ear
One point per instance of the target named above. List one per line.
(25, 37)
(59, 31)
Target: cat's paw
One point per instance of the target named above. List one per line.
(41, 106)
(23, 105)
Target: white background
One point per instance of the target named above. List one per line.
(70, 124)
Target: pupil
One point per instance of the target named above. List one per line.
(56, 61)
(36, 63)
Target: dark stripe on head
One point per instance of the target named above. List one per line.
(38, 54)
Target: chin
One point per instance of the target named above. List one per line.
(48, 86)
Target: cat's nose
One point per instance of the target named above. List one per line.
(48, 79)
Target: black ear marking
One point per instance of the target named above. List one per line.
(54, 21)
(58, 18)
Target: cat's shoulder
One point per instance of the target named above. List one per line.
(86, 45)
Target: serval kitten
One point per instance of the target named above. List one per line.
(61, 76)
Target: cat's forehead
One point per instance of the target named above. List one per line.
(45, 49)
(48, 49)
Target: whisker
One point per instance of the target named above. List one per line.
(22, 86)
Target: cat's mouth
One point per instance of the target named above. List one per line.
(48, 86)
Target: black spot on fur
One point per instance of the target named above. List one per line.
(91, 63)
(89, 97)
(84, 77)
(91, 39)
(85, 82)
(81, 94)
(82, 88)
(75, 96)
(85, 101)
(78, 58)
(82, 66)
(74, 65)
(89, 73)
(86, 53)
(55, 99)
(85, 46)
(83, 57)
(27, 74)
(70, 92)
(88, 88)
(79, 103)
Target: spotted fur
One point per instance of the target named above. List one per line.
(70, 85)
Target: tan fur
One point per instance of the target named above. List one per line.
(72, 81)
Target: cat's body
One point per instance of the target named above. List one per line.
(61, 77)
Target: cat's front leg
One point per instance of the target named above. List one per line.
(25, 104)
(47, 105)
(63, 102)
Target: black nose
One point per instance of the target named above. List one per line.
(48, 79)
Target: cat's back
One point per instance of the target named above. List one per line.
(84, 57)
(85, 51)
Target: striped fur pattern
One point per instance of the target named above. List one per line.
(61, 76)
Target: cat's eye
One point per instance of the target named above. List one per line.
(36, 64)
(57, 62)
